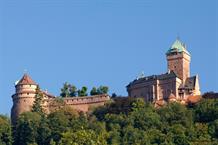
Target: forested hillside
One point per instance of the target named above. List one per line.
(122, 121)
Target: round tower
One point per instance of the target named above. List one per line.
(24, 97)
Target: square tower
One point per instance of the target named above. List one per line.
(178, 60)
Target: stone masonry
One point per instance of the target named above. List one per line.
(174, 85)
(24, 97)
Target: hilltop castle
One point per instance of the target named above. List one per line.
(175, 85)
(24, 97)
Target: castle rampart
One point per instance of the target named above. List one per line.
(24, 98)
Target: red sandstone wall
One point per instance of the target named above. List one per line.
(83, 104)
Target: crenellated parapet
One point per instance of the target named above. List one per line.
(86, 99)
(24, 98)
(81, 104)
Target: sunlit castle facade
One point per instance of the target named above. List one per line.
(26, 90)
(175, 85)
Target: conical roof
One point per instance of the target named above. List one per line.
(26, 80)
(177, 46)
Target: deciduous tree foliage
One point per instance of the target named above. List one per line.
(65, 91)
(26, 128)
(93, 91)
(103, 90)
(73, 91)
(206, 110)
(83, 91)
(5, 131)
(123, 121)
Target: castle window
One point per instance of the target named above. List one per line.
(175, 67)
(28, 93)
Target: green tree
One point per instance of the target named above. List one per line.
(73, 91)
(5, 131)
(44, 132)
(37, 105)
(114, 134)
(138, 104)
(65, 91)
(175, 113)
(206, 110)
(155, 136)
(103, 90)
(81, 137)
(114, 95)
(58, 123)
(26, 128)
(93, 91)
(178, 134)
(83, 91)
(201, 133)
(213, 129)
(134, 136)
(144, 116)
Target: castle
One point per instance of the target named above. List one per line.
(24, 98)
(175, 85)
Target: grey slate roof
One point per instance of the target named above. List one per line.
(169, 75)
(190, 83)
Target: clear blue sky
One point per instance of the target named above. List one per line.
(102, 42)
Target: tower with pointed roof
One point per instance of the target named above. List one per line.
(175, 85)
(178, 60)
(24, 96)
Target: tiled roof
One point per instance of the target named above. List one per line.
(159, 103)
(172, 96)
(48, 94)
(189, 83)
(169, 75)
(26, 80)
(194, 99)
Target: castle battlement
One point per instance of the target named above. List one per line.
(86, 99)
(24, 98)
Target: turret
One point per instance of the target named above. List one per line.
(24, 97)
(178, 60)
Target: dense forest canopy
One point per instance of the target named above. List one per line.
(123, 121)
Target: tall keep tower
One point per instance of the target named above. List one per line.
(24, 97)
(178, 60)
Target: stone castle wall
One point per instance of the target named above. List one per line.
(155, 89)
(81, 104)
(23, 101)
(180, 64)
